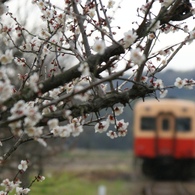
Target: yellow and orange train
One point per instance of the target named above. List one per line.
(164, 137)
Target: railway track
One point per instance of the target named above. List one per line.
(166, 188)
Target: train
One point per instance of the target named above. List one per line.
(164, 138)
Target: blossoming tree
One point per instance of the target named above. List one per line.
(56, 80)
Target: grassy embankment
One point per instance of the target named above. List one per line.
(82, 172)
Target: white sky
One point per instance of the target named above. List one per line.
(184, 60)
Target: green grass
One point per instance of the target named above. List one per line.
(69, 184)
(85, 179)
(82, 172)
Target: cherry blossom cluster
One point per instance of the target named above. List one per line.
(6, 88)
(23, 120)
(10, 186)
(74, 127)
(157, 85)
(187, 83)
(120, 125)
(50, 14)
(129, 38)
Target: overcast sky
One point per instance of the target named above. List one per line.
(185, 59)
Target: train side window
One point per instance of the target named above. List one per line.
(183, 124)
(148, 123)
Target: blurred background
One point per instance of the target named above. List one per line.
(92, 163)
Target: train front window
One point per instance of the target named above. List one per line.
(183, 124)
(148, 123)
(165, 124)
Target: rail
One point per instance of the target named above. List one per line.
(166, 188)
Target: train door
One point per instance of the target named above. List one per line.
(165, 135)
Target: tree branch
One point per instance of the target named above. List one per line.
(28, 94)
(82, 29)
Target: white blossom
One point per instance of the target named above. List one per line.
(33, 116)
(122, 133)
(41, 141)
(20, 61)
(23, 165)
(91, 12)
(76, 131)
(188, 83)
(6, 90)
(45, 51)
(163, 93)
(33, 82)
(151, 69)
(118, 110)
(56, 131)
(22, 191)
(53, 123)
(18, 109)
(54, 93)
(76, 127)
(9, 185)
(40, 178)
(99, 46)
(137, 56)
(102, 126)
(3, 192)
(81, 96)
(35, 44)
(111, 119)
(129, 38)
(65, 131)
(112, 134)
(179, 82)
(34, 131)
(7, 57)
(121, 125)
(110, 4)
(158, 84)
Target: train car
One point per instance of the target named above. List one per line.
(164, 137)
